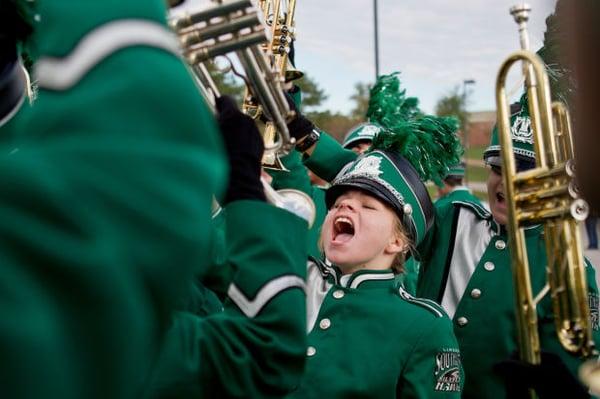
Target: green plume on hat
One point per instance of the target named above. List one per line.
(429, 143)
(388, 102)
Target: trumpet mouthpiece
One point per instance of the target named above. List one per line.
(520, 12)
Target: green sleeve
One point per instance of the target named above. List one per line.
(433, 369)
(328, 158)
(98, 238)
(433, 252)
(548, 339)
(296, 177)
(256, 347)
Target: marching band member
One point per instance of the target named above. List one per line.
(255, 347)
(106, 208)
(105, 195)
(453, 188)
(360, 137)
(357, 312)
(467, 268)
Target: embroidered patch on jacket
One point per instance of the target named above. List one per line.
(447, 370)
(593, 303)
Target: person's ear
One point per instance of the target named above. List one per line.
(396, 245)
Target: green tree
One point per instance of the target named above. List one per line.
(453, 104)
(227, 82)
(312, 95)
(361, 102)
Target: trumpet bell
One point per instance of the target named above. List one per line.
(292, 73)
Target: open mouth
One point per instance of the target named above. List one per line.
(500, 198)
(343, 229)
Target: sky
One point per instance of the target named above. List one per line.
(434, 44)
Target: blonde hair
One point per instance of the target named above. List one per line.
(400, 258)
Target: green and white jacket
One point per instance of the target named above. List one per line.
(466, 266)
(255, 347)
(369, 338)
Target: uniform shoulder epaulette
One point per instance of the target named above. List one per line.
(476, 208)
(427, 304)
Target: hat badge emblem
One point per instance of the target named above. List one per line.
(369, 165)
(521, 130)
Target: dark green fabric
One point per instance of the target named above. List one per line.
(378, 343)
(328, 158)
(104, 204)
(490, 335)
(297, 178)
(232, 355)
(410, 276)
(460, 194)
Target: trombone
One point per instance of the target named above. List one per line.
(548, 195)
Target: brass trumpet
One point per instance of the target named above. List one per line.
(279, 16)
(237, 26)
(547, 195)
(241, 33)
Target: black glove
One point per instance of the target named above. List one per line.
(550, 379)
(300, 126)
(244, 147)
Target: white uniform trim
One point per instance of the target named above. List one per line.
(271, 289)
(366, 277)
(63, 73)
(317, 288)
(13, 111)
(475, 235)
(426, 303)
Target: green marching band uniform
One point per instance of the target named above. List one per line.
(458, 193)
(107, 188)
(356, 320)
(467, 268)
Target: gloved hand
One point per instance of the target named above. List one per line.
(245, 148)
(550, 379)
(300, 126)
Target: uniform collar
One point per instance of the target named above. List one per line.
(367, 279)
(459, 188)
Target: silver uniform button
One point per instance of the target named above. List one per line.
(462, 321)
(325, 324)
(310, 351)
(338, 294)
(489, 266)
(500, 244)
(475, 293)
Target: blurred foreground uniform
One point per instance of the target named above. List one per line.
(255, 347)
(104, 203)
